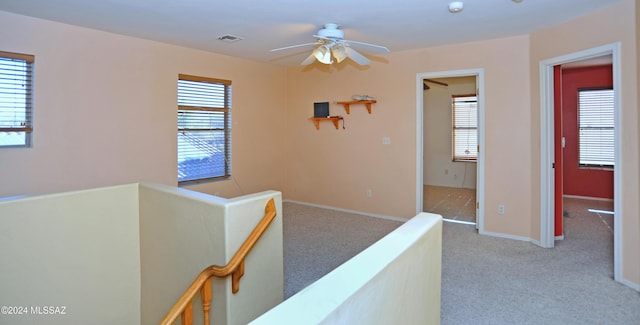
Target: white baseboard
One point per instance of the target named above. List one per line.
(401, 219)
(586, 198)
(347, 211)
(630, 284)
(559, 237)
(499, 235)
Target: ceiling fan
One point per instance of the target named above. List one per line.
(426, 86)
(330, 45)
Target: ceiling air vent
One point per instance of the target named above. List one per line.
(229, 38)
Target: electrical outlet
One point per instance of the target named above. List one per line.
(500, 208)
(369, 193)
(386, 140)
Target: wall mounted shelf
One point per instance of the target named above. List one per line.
(335, 120)
(367, 103)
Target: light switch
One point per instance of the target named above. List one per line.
(386, 140)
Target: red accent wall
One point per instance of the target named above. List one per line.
(582, 181)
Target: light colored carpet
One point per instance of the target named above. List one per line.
(485, 280)
(317, 240)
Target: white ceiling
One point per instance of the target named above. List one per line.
(399, 25)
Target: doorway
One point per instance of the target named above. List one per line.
(584, 138)
(453, 174)
(450, 148)
(548, 191)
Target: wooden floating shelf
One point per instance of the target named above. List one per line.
(335, 120)
(367, 103)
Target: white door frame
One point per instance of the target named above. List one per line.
(547, 145)
(479, 74)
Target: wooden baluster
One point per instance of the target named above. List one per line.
(187, 314)
(235, 277)
(206, 300)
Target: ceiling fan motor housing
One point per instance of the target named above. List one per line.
(331, 31)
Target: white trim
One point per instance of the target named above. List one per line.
(547, 155)
(586, 198)
(469, 223)
(535, 242)
(630, 284)
(512, 237)
(419, 142)
(559, 237)
(479, 74)
(379, 216)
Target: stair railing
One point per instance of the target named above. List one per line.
(183, 308)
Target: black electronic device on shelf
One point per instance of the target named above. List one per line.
(321, 109)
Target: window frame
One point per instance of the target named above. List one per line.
(600, 127)
(225, 109)
(454, 127)
(25, 125)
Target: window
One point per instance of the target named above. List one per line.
(204, 129)
(465, 127)
(595, 128)
(16, 99)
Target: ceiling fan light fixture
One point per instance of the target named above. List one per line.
(339, 53)
(323, 54)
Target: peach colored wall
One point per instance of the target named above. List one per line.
(336, 167)
(105, 111)
(613, 24)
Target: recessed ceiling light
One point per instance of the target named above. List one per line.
(229, 38)
(517, 1)
(456, 6)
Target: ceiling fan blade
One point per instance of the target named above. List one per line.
(324, 38)
(368, 46)
(309, 59)
(355, 56)
(436, 82)
(293, 46)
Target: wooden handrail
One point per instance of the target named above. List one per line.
(184, 307)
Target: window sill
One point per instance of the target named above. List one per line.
(203, 180)
(465, 160)
(605, 168)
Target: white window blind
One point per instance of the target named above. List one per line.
(204, 128)
(465, 127)
(16, 99)
(596, 127)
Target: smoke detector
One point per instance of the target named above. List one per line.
(456, 6)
